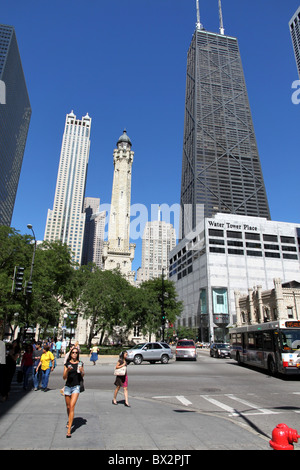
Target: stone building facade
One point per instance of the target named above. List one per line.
(260, 306)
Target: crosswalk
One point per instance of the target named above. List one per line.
(232, 405)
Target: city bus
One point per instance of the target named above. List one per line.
(274, 346)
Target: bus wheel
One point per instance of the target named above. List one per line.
(272, 366)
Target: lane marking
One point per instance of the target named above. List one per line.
(251, 405)
(184, 400)
(231, 411)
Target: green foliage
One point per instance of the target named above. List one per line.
(52, 271)
(112, 305)
(156, 296)
(185, 332)
(105, 297)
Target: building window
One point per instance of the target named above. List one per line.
(216, 233)
(232, 234)
(290, 312)
(220, 301)
(270, 238)
(287, 239)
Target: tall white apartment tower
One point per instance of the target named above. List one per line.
(66, 221)
(159, 238)
(118, 253)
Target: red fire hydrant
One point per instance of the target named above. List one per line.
(283, 437)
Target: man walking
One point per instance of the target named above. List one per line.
(58, 348)
(36, 357)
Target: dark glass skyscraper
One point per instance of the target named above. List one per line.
(15, 113)
(221, 169)
(294, 25)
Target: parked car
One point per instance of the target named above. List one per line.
(186, 349)
(220, 350)
(150, 352)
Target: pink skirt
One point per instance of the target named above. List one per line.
(125, 383)
(121, 381)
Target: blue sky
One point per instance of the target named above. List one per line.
(124, 62)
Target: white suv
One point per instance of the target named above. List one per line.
(186, 349)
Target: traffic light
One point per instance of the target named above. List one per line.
(28, 289)
(19, 273)
(163, 318)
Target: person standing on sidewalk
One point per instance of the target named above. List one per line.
(27, 366)
(8, 369)
(58, 348)
(73, 374)
(44, 364)
(36, 357)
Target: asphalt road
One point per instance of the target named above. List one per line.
(217, 387)
(210, 404)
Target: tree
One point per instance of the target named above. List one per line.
(15, 251)
(52, 277)
(155, 297)
(105, 297)
(52, 273)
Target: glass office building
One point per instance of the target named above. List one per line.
(294, 25)
(15, 113)
(221, 170)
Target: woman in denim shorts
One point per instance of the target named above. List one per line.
(73, 373)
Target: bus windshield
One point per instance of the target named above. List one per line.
(290, 340)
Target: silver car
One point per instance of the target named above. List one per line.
(220, 350)
(150, 352)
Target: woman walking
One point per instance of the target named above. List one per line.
(121, 380)
(94, 354)
(44, 364)
(73, 374)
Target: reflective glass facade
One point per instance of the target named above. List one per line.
(295, 35)
(15, 113)
(221, 169)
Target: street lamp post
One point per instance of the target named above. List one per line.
(64, 325)
(29, 283)
(34, 249)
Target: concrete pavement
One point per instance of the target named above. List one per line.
(37, 421)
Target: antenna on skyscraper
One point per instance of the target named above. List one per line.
(222, 30)
(198, 24)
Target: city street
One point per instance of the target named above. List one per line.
(210, 404)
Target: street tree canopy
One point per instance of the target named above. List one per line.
(111, 304)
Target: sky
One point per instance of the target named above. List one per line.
(124, 62)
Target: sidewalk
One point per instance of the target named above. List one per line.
(37, 421)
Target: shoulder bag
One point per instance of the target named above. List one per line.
(120, 371)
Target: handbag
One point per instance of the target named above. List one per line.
(81, 385)
(120, 371)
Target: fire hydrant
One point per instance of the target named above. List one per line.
(283, 437)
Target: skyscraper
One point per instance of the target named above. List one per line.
(94, 232)
(159, 239)
(294, 25)
(221, 169)
(66, 221)
(15, 113)
(118, 252)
